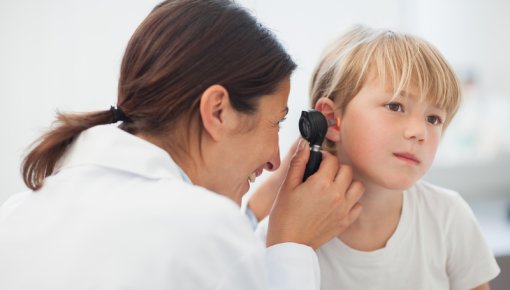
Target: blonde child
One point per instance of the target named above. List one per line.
(395, 95)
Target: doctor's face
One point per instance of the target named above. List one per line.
(254, 146)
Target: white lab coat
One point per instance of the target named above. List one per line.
(119, 215)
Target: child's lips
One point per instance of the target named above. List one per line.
(407, 157)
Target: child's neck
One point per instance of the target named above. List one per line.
(378, 220)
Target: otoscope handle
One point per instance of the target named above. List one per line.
(313, 163)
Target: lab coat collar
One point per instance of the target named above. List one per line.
(111, 147)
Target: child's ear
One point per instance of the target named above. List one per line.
(327, 107)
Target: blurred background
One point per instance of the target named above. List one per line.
(65, 55)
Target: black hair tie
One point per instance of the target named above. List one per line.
(118, 115)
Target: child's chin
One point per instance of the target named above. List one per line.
(401, 184)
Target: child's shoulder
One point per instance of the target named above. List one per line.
(436, 198)
(425, 190)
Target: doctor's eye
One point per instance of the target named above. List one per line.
(279, 124)
(434, 120)
(393, 106)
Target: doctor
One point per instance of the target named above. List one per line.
(146, 195)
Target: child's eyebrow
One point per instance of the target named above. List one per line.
(396, 95)
(404, 94)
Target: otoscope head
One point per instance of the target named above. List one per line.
(313, 126)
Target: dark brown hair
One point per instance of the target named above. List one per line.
(178, 51)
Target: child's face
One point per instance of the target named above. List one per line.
(389, 142)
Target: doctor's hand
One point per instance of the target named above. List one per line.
(317, 210)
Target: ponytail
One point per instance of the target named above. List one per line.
(41, 160)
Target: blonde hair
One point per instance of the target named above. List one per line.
(400, 58)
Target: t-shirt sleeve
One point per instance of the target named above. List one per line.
(470, 261)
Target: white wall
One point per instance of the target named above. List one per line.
(56, 55)
(65, 54)
(472, 34)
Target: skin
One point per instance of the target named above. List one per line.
(390, 142)
(233, 137)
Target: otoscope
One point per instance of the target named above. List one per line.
(313, 127)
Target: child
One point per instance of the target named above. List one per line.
(395, 95)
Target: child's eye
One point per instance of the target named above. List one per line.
(434, 120)
(395, 107)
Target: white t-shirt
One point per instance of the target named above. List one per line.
(118, 215)
(437, 245)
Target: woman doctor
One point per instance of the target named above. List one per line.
(152, 200)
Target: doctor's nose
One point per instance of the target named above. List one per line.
(274, 162)
(416, 129)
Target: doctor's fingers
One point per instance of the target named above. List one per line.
(348, 191)
(297, 166)
(353, 194)
(346, 185)
(345, 219)
(343, 180)
(349, 203)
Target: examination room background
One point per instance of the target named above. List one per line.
(65, 55)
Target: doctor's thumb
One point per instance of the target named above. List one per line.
(297, 165)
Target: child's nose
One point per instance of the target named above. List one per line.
(416, 129)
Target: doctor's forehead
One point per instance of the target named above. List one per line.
(275, 104)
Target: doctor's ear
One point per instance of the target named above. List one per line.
(327, 107)
(214, 110)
